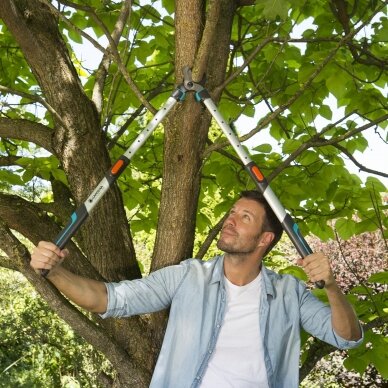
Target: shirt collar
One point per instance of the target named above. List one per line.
(267, 284)
(218, 272)
(218, 276)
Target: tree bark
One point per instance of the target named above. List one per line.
(185, 137)
(79, 144)
(36, 30)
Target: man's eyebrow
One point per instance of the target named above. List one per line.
(244, 211)
(249, 212)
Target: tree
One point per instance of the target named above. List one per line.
(62, 125)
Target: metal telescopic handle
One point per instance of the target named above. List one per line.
(290, 227)
(83, 211)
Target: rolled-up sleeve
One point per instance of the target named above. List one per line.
(346, 344)
(146, 295)
(316, 320)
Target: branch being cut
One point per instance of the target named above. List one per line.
(208, 36)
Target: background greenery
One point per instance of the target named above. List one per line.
(312, 78)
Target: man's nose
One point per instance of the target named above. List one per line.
(231, 220)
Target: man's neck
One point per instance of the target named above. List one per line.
(241, 269)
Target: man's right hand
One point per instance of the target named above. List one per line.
(87, 293)
(47, 255)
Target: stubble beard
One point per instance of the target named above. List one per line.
(232, 249)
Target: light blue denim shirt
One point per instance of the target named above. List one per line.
(196, 293)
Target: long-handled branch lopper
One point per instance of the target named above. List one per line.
(201, 95)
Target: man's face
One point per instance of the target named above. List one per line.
(242, 229)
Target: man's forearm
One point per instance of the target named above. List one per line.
(344, 319)
(86, 293)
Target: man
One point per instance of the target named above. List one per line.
(232, 322)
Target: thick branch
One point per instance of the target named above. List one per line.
(7, 161)
(5, 262)
(112, 52)
(28, 219)
(36, 98)
(97, 96)
(316, 352)
(207, 41)
(31, 131)
(93, 333)
(210, 238)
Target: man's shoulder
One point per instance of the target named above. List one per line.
(211, 269)
(201, 263)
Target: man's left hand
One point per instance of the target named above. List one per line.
(317, 267)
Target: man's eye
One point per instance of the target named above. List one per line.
(246, 217)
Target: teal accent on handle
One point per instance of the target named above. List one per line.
(73, 220)
(295, 228)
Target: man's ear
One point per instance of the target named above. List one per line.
(266, 238)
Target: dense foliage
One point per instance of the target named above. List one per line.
(36, 348)
(80, 79)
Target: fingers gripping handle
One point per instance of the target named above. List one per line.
(300, 243)
(285, 219)
(289, 226)
(76, 220)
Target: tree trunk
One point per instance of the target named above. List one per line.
(78, 134)
(79, 144)
(186, 132)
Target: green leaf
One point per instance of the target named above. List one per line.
(11, 178)
(345, 227)
(295, 271)
(291, 145)
(320, 229)
(75, 36)
(325, 112)
(263, 148)
(273, 8)
(60, 176)
(380, 277)
(358, 364)
(379, 357)
(375, 184)
(168, 5)
(308, 157)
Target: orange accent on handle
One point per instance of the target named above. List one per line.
(257, 173)
(116, 167)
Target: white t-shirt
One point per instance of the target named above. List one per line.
(238, 357)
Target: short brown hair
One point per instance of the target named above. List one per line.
(270, 222)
